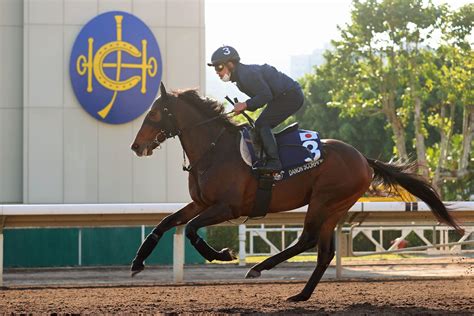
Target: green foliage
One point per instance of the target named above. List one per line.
(386, 67)
(414, 240)
(385, 63)
(241, 119)
(458, 26)
(220, 237)
(369, 134)
(362, 243)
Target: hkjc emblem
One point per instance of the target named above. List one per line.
(115, 67)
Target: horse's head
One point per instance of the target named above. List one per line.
(157, 126)
(164, 120)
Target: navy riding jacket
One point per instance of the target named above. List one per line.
(262, 83)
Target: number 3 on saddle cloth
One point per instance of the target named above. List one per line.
(299, 150)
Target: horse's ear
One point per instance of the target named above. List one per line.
(164, 94)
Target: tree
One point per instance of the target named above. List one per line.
(383, 63)
(368, 134)
(384, 38)
(452, 87)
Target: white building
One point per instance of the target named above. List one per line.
(51, 149)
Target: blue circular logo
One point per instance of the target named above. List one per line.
(115, 67)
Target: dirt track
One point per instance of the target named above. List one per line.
(453, 296)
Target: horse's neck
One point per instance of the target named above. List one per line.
(196, 140)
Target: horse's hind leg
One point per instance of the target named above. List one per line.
(326, 251)
(307, 240)
(178, 218)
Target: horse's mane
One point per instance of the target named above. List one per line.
(209, 107)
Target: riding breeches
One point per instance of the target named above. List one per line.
(280, 108)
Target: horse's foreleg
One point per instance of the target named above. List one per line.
(178, 218)
(213, 215)
(306, 241)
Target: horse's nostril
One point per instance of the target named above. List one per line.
(135, 146)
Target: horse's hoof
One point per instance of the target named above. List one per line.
(297, 298)
(226, 255)
(136, 268)
(252, 274)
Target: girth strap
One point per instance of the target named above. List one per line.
(263, 196)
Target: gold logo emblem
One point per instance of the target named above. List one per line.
(95, 64)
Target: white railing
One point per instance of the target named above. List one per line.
(440, 246)
(262, 232)
(111, 215)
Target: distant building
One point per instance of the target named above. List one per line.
(303, 64)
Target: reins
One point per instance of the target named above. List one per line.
(210, 149)
(175, 131)
(213, 143)
(172, 130)
(207, 121)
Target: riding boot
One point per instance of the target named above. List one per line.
(269, 144)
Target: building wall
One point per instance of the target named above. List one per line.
(11, 101)
(56, 152)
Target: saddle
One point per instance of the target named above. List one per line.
(299, 151)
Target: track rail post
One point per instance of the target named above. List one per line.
(2, 224)
(242, 239)
(178, 254)
(338, 251)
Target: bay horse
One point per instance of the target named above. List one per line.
(223, 188)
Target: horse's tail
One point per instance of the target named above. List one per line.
(393, 174)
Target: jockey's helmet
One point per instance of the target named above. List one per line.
(224, 54)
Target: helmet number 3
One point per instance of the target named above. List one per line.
(226, 50)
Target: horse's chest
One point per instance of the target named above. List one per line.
(203, 190)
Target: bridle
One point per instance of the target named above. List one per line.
(168, 128)
(168, 120)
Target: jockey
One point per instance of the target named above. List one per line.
(264, 85)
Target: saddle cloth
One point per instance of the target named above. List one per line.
(299, 150)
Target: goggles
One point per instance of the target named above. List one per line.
(219, 67)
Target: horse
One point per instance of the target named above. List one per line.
(223, 187)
